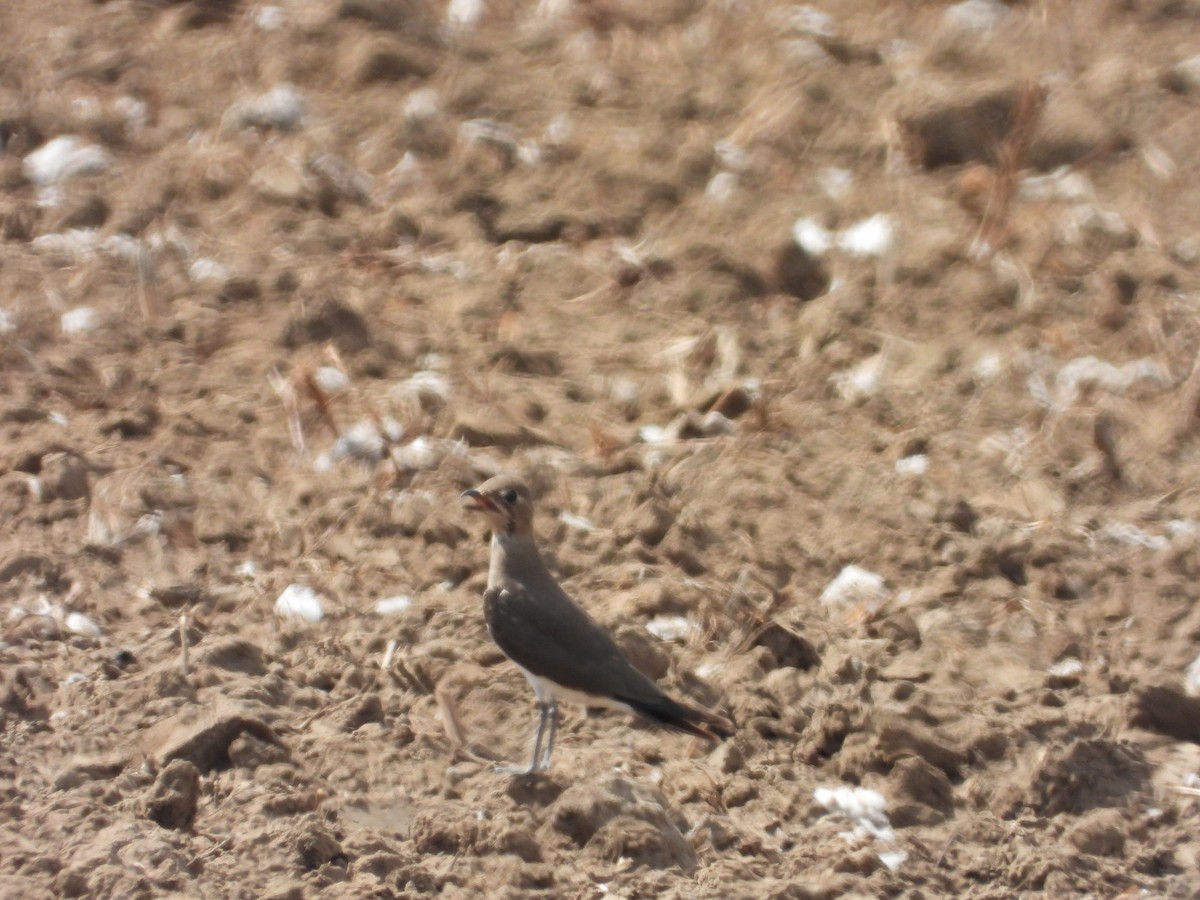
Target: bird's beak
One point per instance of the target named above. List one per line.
(477, 501)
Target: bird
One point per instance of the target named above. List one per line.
(562, 651)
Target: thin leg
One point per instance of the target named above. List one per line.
(552, 711)
(543, 715)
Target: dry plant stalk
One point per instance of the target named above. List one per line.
(389, 654)
(1104, 436)
(1010, 156)
(149, 295)
(286, 391)
(450, 719)
(183, 645)
(306, 378)
(1189, 410)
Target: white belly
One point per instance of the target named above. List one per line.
(548, 692)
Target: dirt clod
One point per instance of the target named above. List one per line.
(202, 737)
(173, 799)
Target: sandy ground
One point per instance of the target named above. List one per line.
(849, 349)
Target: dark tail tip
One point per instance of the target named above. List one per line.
(681, 717)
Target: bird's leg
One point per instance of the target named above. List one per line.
(543, 715)
(552, 710)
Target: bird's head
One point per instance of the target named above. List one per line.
(506, 505)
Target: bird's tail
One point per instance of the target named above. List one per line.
(668, 713)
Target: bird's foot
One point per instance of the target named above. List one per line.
(519, 771)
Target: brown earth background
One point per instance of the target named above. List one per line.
(308, 270)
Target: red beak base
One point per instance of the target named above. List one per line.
(473, 500)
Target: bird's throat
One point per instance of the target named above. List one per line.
(512, 552)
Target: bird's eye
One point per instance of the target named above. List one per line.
(510, 496)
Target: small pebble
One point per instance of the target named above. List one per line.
(390, 606)
(975, 15)
(78, 623)
(282, 107)
(917, 464)
(62, 158)
(812, 236)
(669, 628)
(79, 321)
(331, 380)
(270, 18)
(854, 584)
(1192, 678)
(300, 601)
(870, 237)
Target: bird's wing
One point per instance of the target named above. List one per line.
(533, 632)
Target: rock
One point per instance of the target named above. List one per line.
(368, 709)
(642, 843)
(530, 226)
(282, 108)
(728, 758)
(27, 564)
(951, 128)
(62, 158)
(23, 690)
(315, 846)
(1085, 775)
(84, 768)
(328, 320)
(901, 630)
(975, 15)
(957, 513)
(527, 361)
(1068, 130)
(91, 212)
(733, 401)
(249, 752)
(921, 794)
(191, 16)
(649, 522)
(139, 420)
(17, 223)
(787, 686)
(862, 861)
(1183, 77)
(179, 595)
(300, 601)
(63, 476)
(282, 181)
(1100, 833)
(586, 807)
(387, 59)
(409, 16)
(239, 288)
(644, 651)
(790, 649)
(1168, 710)
(380, 864)
(445, 832)
(203, 737)
(233, 654)
(896, 738)
(799, 273)
(175, 795)
(492, 430)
